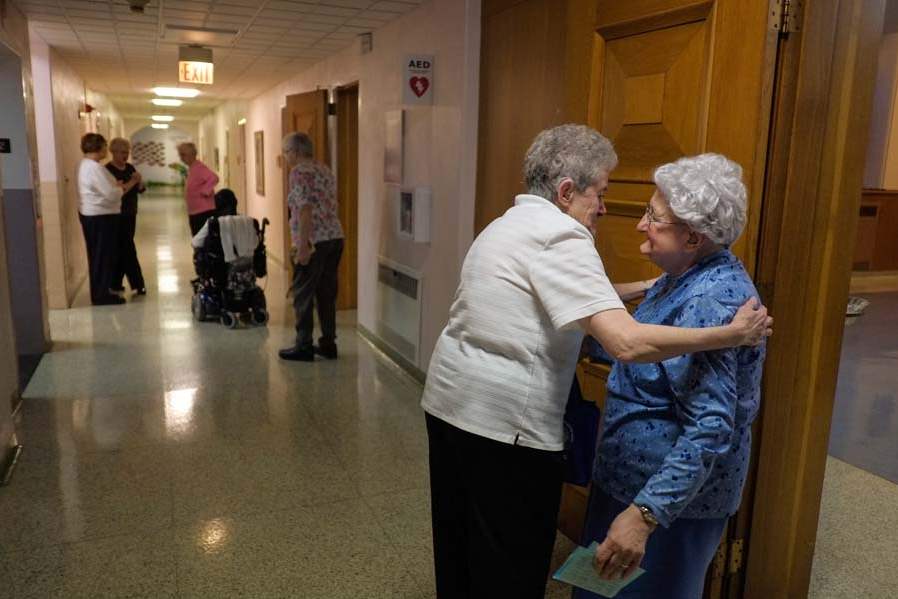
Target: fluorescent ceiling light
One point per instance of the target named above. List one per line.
(176, 92)
(241, 122)
(166, 102)
(160, 125)
(162, 118)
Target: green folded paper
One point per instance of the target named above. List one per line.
(580, 572)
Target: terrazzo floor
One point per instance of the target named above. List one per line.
(166, 458)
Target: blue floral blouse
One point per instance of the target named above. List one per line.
(677, 434)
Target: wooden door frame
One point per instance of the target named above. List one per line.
(350, 253)
(823, 100)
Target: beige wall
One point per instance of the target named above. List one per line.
(219, 130)
(440, 150)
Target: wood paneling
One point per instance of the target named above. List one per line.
(521, 90)
(876, 247)
(348, 192)
(700, 83)
(816, 163)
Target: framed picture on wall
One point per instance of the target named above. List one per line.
(393, 147)
(259, 138)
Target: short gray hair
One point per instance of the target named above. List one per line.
(118, 143)
(188, 146)
(300, 143)
(575, 152)
(706, 192)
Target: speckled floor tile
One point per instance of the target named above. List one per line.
(128, 565)
(85, 496)
(327, 551)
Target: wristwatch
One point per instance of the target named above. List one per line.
(647, 515)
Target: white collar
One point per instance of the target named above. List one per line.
(528, 199)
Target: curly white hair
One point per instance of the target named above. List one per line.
(706, 192)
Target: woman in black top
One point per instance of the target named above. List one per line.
(124, 171)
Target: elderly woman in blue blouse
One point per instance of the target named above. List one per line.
(676, 437)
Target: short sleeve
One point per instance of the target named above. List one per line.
(569, 279)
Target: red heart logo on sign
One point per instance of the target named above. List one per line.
(419, 85)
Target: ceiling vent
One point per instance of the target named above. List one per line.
(206, 36)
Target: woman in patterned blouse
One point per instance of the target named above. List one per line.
(676, 436)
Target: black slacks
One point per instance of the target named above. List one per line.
(494, 509)
(129, 265)
(101, 236)
(198, 220)
(315, 284)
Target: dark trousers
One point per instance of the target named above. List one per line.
(315, 284)
(101, 236)
(129, 265)
(198, 220)
(494, 509)
(676, 558)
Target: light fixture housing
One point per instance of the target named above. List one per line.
(166, 102)
(176, 92)
(195, 65)
(241, 122)
(159, 125)
(162, 118)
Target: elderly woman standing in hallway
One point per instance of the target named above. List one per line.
(677, 434)
(124, 171)
(531, 285)
(99, 209)
(317, 237)
(199, 191)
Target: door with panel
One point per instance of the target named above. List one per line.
(305, 113)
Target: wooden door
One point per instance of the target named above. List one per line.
(673, 78)
(304, 113)
(348, 192)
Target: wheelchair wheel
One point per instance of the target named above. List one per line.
(198, 309)
(260, 316)
(229, 319)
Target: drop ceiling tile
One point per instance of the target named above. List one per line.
(358, 4)
(396, 7)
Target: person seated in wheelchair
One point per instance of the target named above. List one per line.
(229, 254)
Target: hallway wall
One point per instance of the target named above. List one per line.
(211, 134)
(14, 35)
(440, 151)
(59, 113)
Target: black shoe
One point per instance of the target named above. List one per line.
(141, 291)
(111, 300)
(295, 354)
(118, 289)
(329, 352)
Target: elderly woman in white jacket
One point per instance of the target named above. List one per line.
(99, 209)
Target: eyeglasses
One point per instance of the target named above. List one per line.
(650, 217)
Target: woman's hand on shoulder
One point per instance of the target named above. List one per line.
(751, 324)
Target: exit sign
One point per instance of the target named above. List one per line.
(190, 71)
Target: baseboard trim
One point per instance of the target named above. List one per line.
(9, 461)
(394, 356)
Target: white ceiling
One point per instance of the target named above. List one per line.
(124, 54)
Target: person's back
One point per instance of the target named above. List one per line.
(318, 189)
(502, 292)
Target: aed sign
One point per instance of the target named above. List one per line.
(190, 71)
(417, 82)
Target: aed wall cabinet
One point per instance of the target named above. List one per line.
(412, 209)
